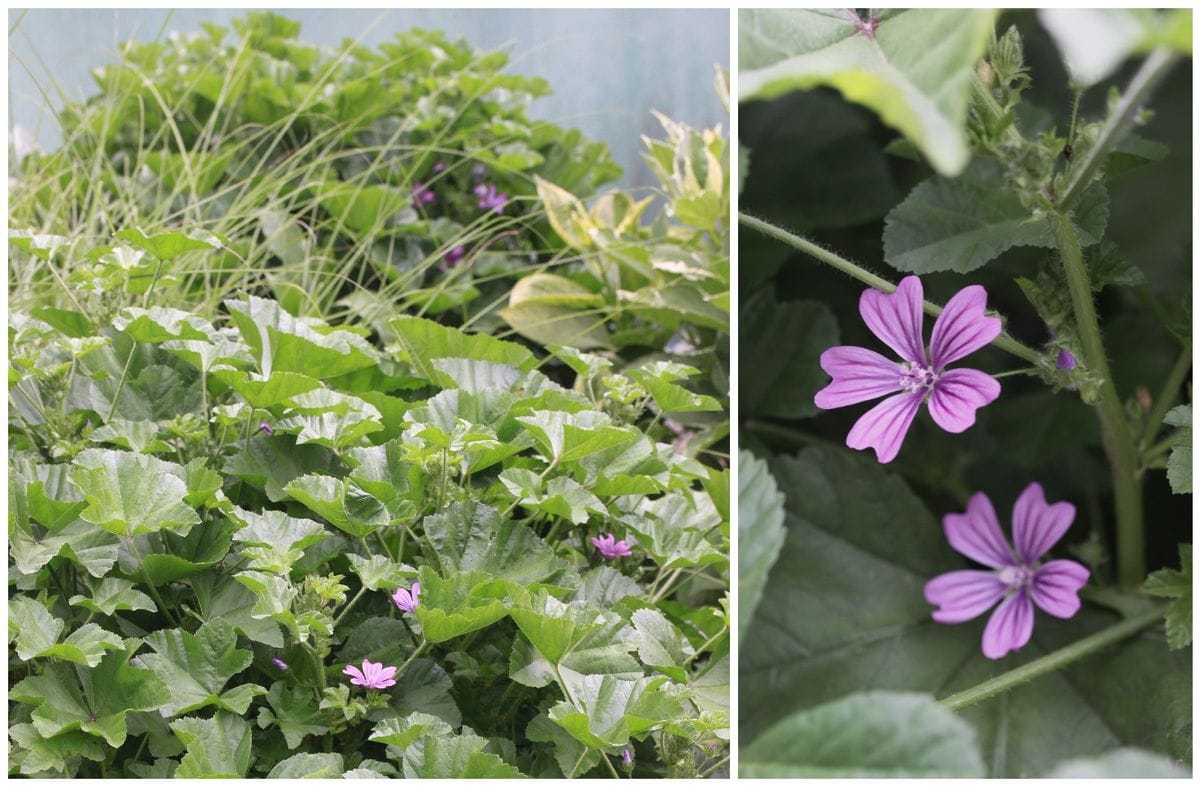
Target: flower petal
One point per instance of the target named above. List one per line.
(957, 394)
(977, 533)
(1056, 587)
(387, 673)
(859, 375)
(896, 319)
(1010, 626)
(963, 595)
(1037, 525)
(961, 328)
(883, 426)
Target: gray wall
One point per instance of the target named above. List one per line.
(608, 68)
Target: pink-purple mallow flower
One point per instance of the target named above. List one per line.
(454, 256)
(422, 195)
(610, 548)
(1017, 578)
(373, 675)
(953, 395)
(407, 600)
(266, 429)
(279, 663)
(1066, 361)
(490, 198)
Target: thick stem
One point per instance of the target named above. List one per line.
(1153, 69)
(1119, 442)
(1052, 662)
(1003, 341)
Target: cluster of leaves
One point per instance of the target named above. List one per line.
(836, 548)
(313, 163)
(194, 503)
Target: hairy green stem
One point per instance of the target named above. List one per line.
(1166, 396)
(1118, 438)
(1052, 662)
(1003, 341)
(345, 610)
(1151, 72)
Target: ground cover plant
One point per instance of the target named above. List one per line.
(964, 504)
(247, 541)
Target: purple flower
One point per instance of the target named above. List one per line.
(627, 758)
(1017, 579)
(407, 601)
(1066, 361)
(454, 256)
(490, 198)
(953, 396)
(421, 194)
(439, 167)
(266, 429)
(278, 662)
(372, 675)
(610, 548)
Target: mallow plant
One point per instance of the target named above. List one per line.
(262, 545)
(965, 547)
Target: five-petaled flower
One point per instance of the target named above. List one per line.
(373, 675)
(610, 548)
(407, 600)
(490, 198)
(1017, 578)
(953, 395)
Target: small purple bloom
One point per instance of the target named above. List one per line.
(610, 548)
(627, 758)
(454, 256)
(490, 198)
(373, 675)
(421, 194)
(1066, 361)
(952, 395)
(439, 167)
(266, 429)
(407, 600)
(1017, 579)
(278, 662)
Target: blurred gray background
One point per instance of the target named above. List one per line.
(608, 68)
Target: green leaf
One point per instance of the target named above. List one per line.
(379, 573)
(869, 735)
(565, 437)
(129, 494)
(309, 766)
(113, 594)
(562, 496)
(961, 224)
(197, 667)
(1179, 464)
(678, 529)
(783, 341)
(1177, 586)
(342, 504)
(457, 605)
(573, 758)
(293, 710)
(914, 70)
(217, 747)
(545, 308)
(273, 540)
(53, 501)
(138, 436)
(169, 245)
(95, 701)
(83, 543)
(300, 345)
(167, 557)
(843, 611)
(421, 341)
(264, 391)
(471, 536)
(434, 756)
(660, 645)
(1095, 41)
(234, 603)
(56, 756)
(760, 533)
(271, 463)
(37, 633)
(609, 710)
(158, 324)
(403, 732)
(1122, 763)
(658, 378)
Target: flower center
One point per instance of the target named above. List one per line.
(917, 377)
(1017, 577)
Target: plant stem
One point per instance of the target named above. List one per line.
(361, 592)
(1054, 661)
(166, 613)
(1153, 69)
(1118, 437)
(704, 773)
(1166, 396)
(424, 646)
(611, 769)
(854, 271)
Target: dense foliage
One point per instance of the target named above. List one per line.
(245, 540)
(1065, 198)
